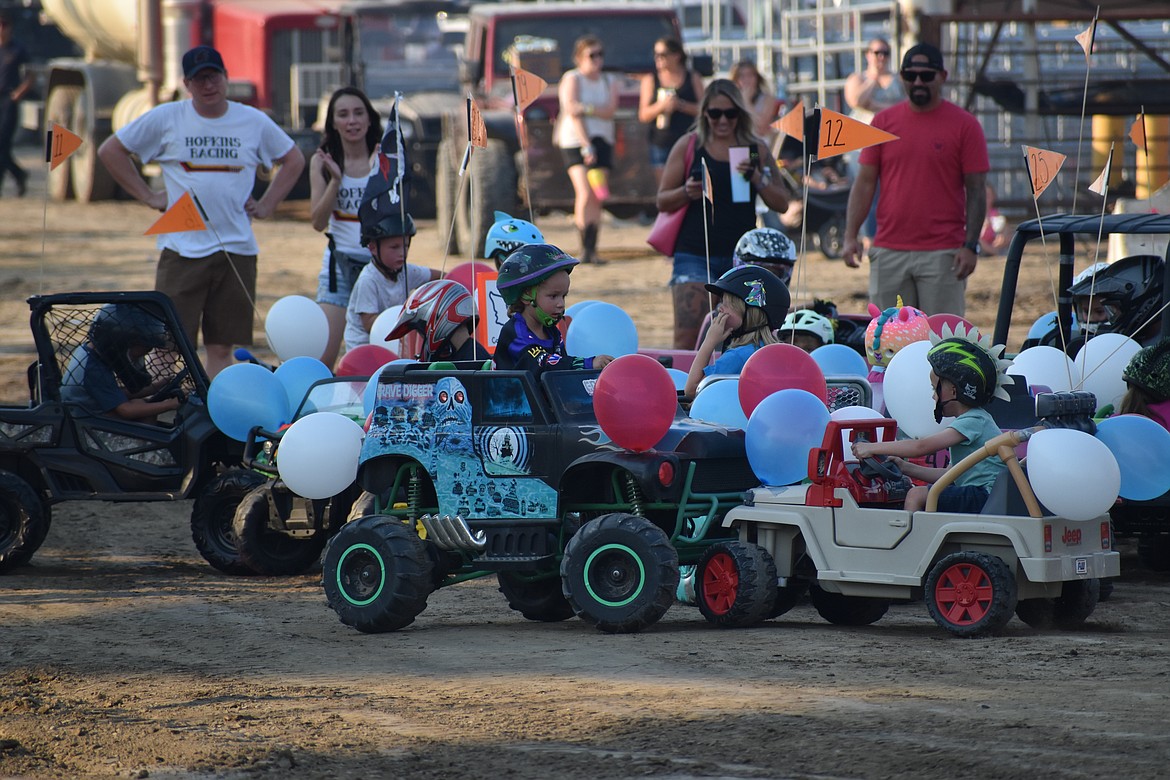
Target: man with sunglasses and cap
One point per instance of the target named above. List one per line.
(932, 203)
(209, 146)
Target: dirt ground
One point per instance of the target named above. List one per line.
(123, 654)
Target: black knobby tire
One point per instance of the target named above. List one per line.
(971, 593)
(831, 237)
(269, 551)
(842, 610)
(735, 583)
(214, 514)
(1077, 600)
(492, 188)
(541, 599)
(1107, 586)
(376, 574)
(788, 597)
(24, 521)
(446, 193)
(59, 110)
(1154, 551)
(620, 573)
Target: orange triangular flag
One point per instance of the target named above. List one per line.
(476, 129)
(1101, 184)
(1137, 133)
(62, 143)
(1043, 165)
(840, 134)
(526, 87)
(181, 217)
(1087, 37)
(792, 123)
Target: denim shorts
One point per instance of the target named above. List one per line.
(693, 268)
(346, 273)
(658, 155)
(963, 499)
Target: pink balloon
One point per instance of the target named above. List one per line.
(364, 360)
(467, 274)
(635, 401)
(938, 320)
(778, 367)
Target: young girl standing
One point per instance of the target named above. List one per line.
(534, 282)
(754, 303)
(337, 178)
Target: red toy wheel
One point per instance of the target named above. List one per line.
(971, 593)
(736, 584)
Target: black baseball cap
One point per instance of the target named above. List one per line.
(927, 56)
(201, 58)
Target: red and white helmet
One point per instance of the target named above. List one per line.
(436, 309)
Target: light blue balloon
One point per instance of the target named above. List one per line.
(782, 430)
(577, 307)
(297, 375)
(245, 395)
(718, 403)
(601, 329)
(679, 377)
(1142, 449)
(840, 360)
(371, 391)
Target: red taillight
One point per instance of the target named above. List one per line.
(1106, 536)
(1047, 538)
(665, 473)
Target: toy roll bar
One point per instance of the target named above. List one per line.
(1004, 446)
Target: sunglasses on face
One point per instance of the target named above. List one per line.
(596, 55)
(715, 114)
(925, 76)
(880, 52)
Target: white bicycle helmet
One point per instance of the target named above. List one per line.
(808, 321)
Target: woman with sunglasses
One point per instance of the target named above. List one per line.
(706, 241)
(669, 101)
(585, 135)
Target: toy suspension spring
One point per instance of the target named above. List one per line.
(634, 495)
(414, 494)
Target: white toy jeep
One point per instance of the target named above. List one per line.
(844, 537)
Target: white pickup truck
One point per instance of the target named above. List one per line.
(844, 537)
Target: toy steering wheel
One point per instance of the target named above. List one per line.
(879, 467)
(173, 388)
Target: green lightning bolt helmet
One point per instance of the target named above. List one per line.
(968, 359)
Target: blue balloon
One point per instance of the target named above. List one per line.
(1142, 449)
(577, 307)
(840, 360)
(245, 395)
(782, 430)
(297, 375)
(601, 329)
(718, 403)
(679, 377)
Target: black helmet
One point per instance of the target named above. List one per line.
(1131, 288)
(119, 326)
(768, 248)
(528, 266)
(973, 368)
(1149, 370)
(757, 286)
(383, 224)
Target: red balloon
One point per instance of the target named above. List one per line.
(937, 321)
(635, 401)
(777, 367)
(467, 274)
(364, 360)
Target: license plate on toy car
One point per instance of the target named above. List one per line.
(1082, 565)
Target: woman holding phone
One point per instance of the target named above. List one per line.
(706, 246)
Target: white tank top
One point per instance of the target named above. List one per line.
(343, 220)
(590, 92)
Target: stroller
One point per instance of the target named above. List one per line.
(828, 198)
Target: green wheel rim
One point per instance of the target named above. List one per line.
(620, 555)
(354, 573)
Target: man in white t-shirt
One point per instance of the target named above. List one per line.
(208, 146)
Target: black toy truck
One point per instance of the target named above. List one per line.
(475, 473)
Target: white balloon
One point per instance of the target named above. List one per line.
(849, 413)
(383, 324)
(318, 454)
(909, 395)
(1047, 366)
(1073, 473)
(296, 327)
(1099, 364)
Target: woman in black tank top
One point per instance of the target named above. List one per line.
(669, 101)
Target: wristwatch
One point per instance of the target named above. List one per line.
(974, 247)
